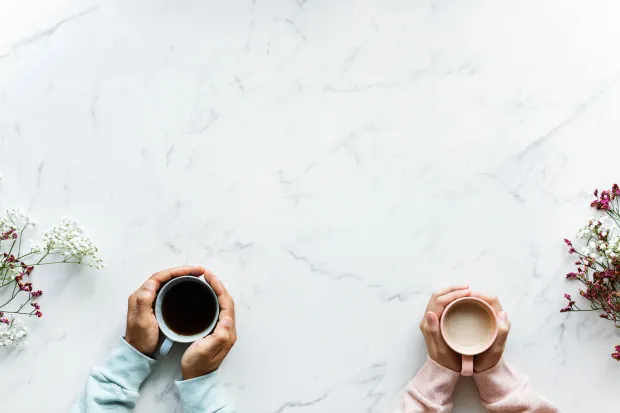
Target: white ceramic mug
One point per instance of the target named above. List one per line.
(170, 336)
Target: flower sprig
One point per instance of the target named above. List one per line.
(67, 240)
(64, 243)
(598, 261)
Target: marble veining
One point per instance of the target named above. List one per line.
(333, 161)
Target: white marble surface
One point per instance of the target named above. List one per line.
(333, 161)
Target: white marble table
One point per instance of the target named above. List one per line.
(333, 161)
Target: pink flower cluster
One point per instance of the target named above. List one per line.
(10, 264)
(11, 233)
(604, 202)
(598, 263)
(37, 309)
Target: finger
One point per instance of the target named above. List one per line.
(450, 289)
(446, 299)
(502, 333)
(164, 276)
(227, 304)
(227, 309)
(142, 300)
(432, 304)
(492, 300)
(217, 285)
(220, 338)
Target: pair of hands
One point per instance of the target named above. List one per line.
(203, 356)
(439, 351)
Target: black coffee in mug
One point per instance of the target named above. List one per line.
(188, 308)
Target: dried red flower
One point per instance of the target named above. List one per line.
(599, 267)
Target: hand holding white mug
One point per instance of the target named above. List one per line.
(142, 329)
(205, 355)
(438, 350)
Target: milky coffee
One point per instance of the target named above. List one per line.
(468, 326)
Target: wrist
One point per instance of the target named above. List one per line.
(189, 373)
(481, 368)
(136, 344)
(486, 362)
(450, 362)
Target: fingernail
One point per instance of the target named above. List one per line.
(227, 322)
(150, 285)
(503, 316)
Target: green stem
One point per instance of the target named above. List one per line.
(13, 295)
(62, 262)
(4, 285)
(21, 258)
(17, 312)
(42, 258)
(12, 245)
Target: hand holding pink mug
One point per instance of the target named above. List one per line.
(438, 350)
(490, 358)
(446, 354)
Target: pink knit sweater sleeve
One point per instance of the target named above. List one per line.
(504, 389)
(430, 390)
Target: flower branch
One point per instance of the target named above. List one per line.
(65, 243)
(598, 260)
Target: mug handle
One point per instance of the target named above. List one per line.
(467, 368)
(165, 348)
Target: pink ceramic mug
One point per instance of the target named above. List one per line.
(478, 342)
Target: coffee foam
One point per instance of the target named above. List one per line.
(468, 327)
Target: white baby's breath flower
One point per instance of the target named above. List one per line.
(19, 218)
(584, 233)
(13, 333)
(68, 239)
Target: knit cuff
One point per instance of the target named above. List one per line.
(497, 382)
(435, 382)
(204, 394)
(126, 366)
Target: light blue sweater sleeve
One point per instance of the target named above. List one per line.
(204, 394)
(113, 387)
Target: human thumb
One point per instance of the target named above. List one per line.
(216, 341)
(503, 328)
